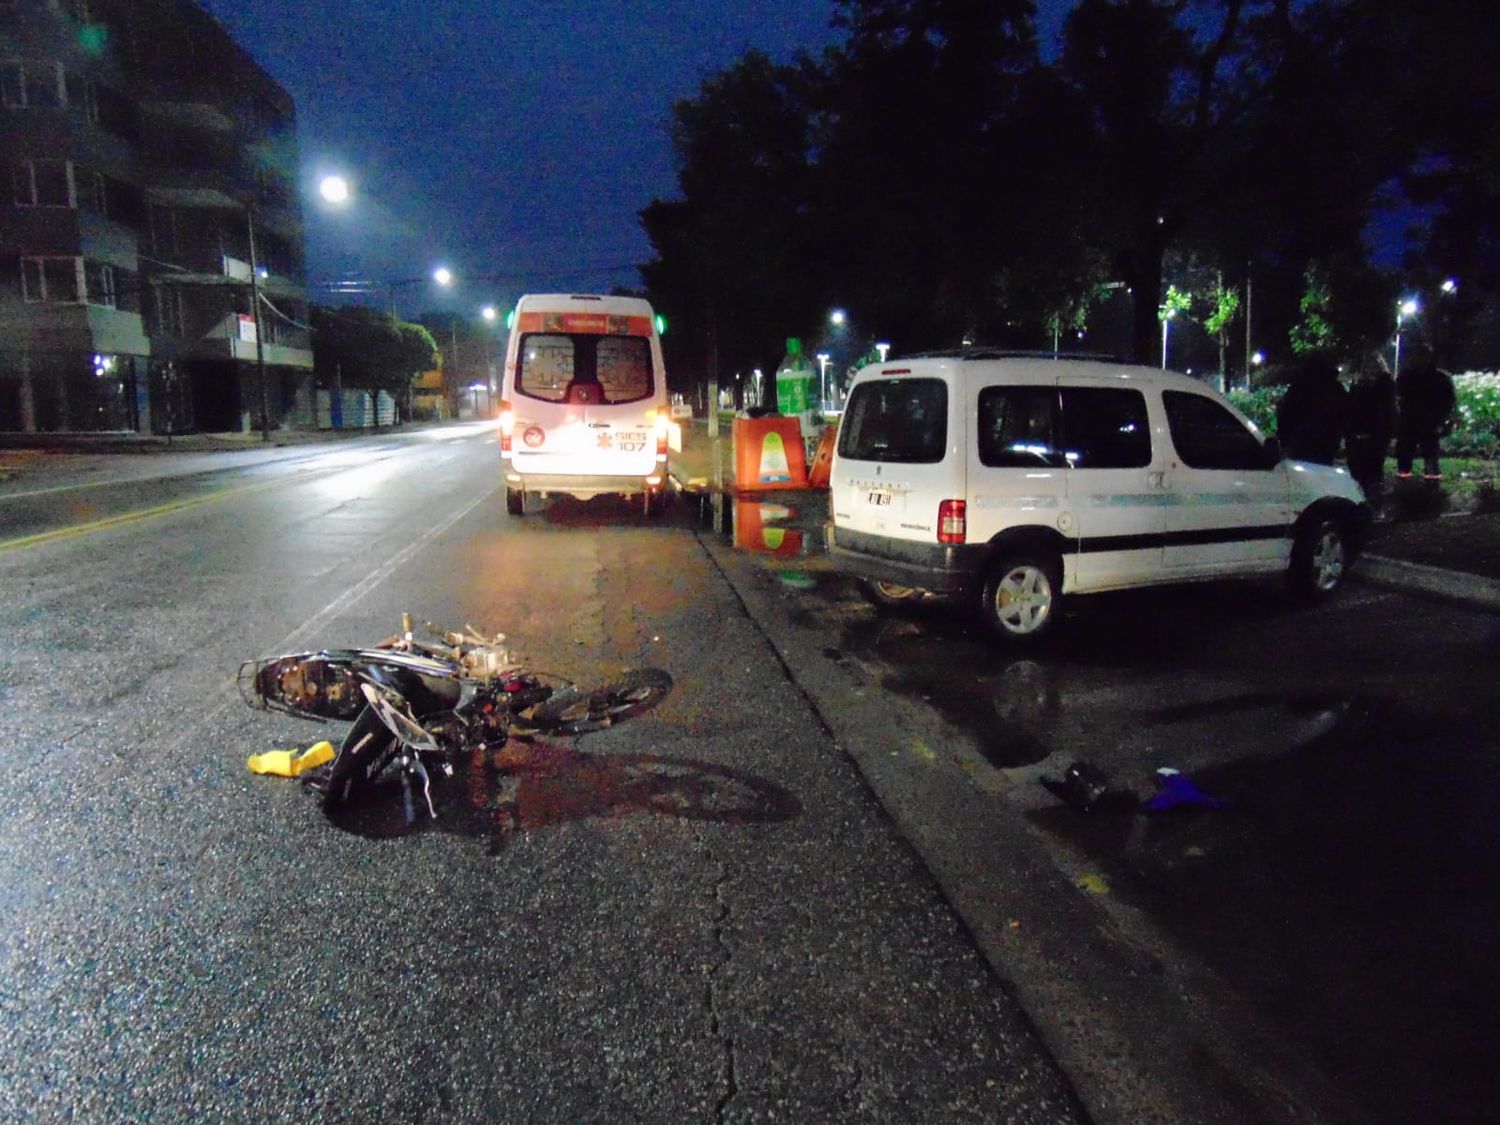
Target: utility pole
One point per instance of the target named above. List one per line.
(1249, 348)
(260, 347)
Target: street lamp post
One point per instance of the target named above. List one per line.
(1166, 330)
(1404, 309)
(823, 358)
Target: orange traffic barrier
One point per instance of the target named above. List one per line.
(753, 530)
(768, 454)
(822, 465)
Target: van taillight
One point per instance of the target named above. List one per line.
(661, 422)
(507, 425)
(952, 521)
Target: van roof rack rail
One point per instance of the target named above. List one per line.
(987, 351)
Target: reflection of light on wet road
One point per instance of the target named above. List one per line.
(364, 477)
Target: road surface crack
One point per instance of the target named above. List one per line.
(711, 1000)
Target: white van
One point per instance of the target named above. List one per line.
(1023, 479)
(583, 406)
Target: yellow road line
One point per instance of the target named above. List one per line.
(75, 531)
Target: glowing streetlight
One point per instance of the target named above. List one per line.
(838, 318)
(334, 189)
(1449, 286)
(442, 276)
(884, 349)
(1258, 358)
(488, 312)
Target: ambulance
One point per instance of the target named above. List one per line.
(584, 409)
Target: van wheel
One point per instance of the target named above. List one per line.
(1320, 559)
(1021, 597)
(888, 595)
(515, 501)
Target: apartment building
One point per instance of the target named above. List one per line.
(151, 270)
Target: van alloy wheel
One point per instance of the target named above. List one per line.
(1021, 596)
(1320, 559)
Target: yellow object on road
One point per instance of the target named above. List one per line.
(287, 763)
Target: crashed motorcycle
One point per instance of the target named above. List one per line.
(414, 703)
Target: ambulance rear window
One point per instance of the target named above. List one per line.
(557, 367)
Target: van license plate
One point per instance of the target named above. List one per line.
(880, 498)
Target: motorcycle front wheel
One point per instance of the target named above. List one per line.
(575, 710)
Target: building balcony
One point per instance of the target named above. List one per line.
(40, 327)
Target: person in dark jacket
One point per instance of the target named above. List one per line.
(1372, 424)
(1310, 419)
(1425, 401)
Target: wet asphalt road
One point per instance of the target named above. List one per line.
(701, 915)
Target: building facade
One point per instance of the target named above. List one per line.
(151, 269)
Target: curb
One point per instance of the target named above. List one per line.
(1415, 578)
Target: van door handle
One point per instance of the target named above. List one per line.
(1157, 479)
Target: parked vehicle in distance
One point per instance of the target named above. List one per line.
(584, 408)
(1022, 479)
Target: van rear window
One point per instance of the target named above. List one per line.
(558, 367)
(898, 420)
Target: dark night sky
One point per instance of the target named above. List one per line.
(502, 138)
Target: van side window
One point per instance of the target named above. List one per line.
(896, 420)
(1018, 428)
(1209, 437)
(1105, 428)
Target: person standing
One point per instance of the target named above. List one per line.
(1425, 401)
(1372, 424)
(1310, 417)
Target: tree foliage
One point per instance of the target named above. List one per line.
(933, 172)
(361, 347)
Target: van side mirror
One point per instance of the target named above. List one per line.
(1273, 450)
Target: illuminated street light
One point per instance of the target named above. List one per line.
(884, 349)
(837, 318)
(334, 189)
(442, 276)
(1449, 286)
(488, 312)
(1258, 358)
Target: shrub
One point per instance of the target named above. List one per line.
(1476, 427)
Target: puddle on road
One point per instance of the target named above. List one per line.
(1350, 893)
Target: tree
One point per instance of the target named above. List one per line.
(366, 348)
(730, 252)
(1224, 302)
(1314, 332)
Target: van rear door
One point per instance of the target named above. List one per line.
(585, 396)
(893, 465)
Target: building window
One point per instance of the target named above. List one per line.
(12, 85)
(31, 85)
(163, 229)
(99, 281)
(78, 9)
(82, 95)
(43, 183)
(171, 320)
(52, 280)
